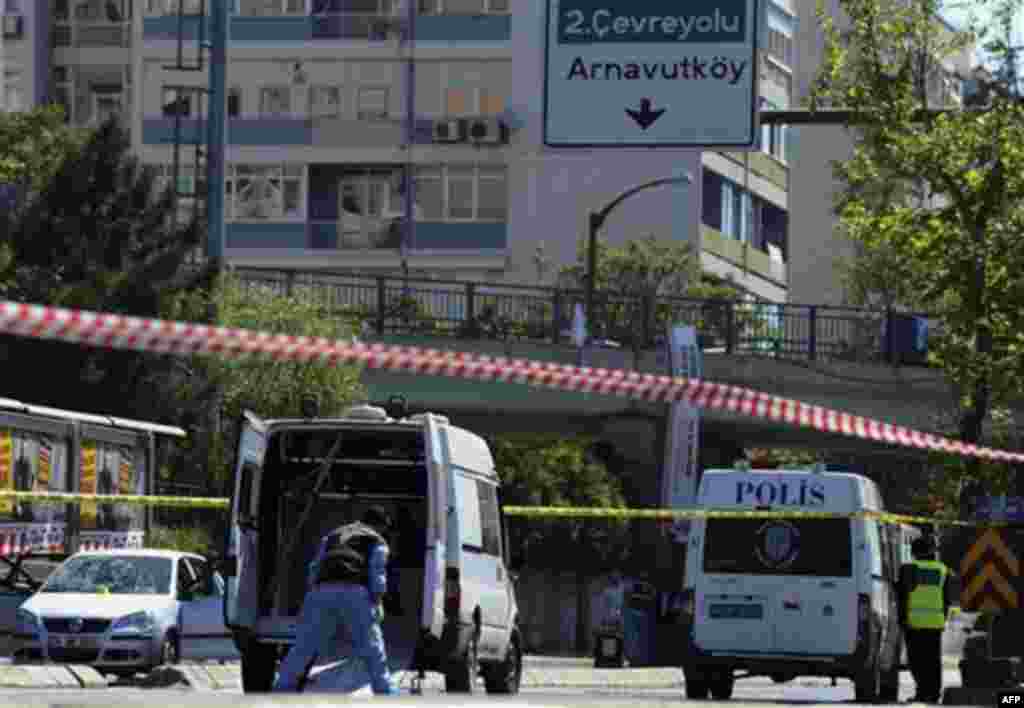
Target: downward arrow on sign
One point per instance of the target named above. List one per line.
(645, 117)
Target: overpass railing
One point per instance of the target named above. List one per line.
(480, 310)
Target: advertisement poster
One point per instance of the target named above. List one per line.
(681, 474)
(50, 476)
(87, 485)
(6, 470)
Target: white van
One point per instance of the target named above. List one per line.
(792, 597)
(298, 479)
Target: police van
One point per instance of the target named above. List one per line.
(788, 597)
(297, 479)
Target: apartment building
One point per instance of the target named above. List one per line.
(321, 141)
(815, 247)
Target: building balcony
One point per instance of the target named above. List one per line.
(241, 131)
(82, 34)
(742, 255)
(334, 236)
(341, 26)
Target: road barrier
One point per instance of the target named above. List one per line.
(109, 331)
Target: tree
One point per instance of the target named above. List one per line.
(224, 388)
(33, 146)
(636, 279)
(961, 243)
(91, 231)
(552, 471)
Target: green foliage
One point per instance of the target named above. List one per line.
(267, 387)
(655, 270)
(538, 470)
(180, 538)
(34, 145)
(952, 226)
(92, 232)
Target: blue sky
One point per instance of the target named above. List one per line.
(958, 13)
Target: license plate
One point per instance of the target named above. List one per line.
(608, 647)
(73, 642)
(736, 612)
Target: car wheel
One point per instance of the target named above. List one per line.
(721, 686)
(890, 692)
(696, 684)
(169, 650)
(506, 677)
(867, 685)
(259, 666)
(461, 675)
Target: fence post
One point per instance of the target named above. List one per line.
(470, 315)
(730, 327)
(812, 323)
(556, 316)
(381, 297)
(890, 336)
(289, 283)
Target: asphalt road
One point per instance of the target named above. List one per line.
(756, 690)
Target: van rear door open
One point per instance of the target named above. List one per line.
(432, 617)
(241, 569)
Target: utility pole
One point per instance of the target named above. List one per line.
(409, 40)
(217, 130)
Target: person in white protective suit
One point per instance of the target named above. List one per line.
(344, 606)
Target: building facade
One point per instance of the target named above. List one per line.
(816, 247)
(334, 103)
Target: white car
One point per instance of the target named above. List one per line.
(125, 611)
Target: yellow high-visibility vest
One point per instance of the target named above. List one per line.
(925, 603)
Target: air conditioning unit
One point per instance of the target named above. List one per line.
(487, 131)
(13, 26)
(449, 131)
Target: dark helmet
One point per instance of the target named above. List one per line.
(923, 547)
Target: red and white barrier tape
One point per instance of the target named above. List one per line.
(163, 336)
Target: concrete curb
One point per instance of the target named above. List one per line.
(29, 676)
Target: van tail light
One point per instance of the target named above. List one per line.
(863, 616)
(689, 601)
(452, 593)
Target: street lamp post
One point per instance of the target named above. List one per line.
(596, 221)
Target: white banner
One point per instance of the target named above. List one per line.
(681, 475)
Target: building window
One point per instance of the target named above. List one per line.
(60, 90)
(270, 8)
(171, 7)
(275, 102)
(106, 105)
(464, 7)
(14, 97)
(234, 102)
(373, 103)
(178, 102)
(457, 193)
(774, 73)
(473, 102)
(492, 196)
(780, 46)
(773, 136)
(263, 192)
(324, 102)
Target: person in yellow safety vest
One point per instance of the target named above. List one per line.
(925, 593)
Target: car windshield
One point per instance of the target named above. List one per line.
(117, 575)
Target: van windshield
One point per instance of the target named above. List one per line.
(815, 547)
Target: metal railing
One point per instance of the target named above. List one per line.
(392, 305)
